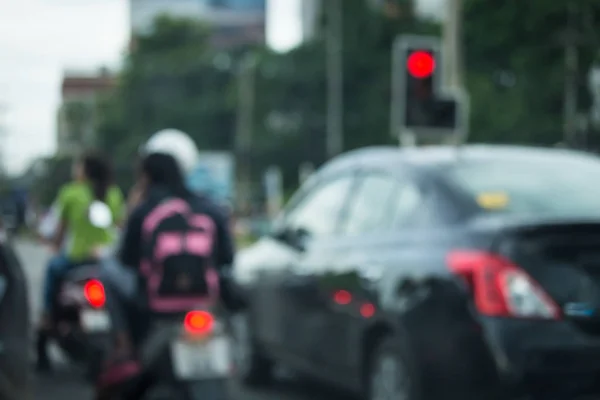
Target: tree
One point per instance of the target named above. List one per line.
(291, 88)
(516, 72)
(45, 183)
(169, 81)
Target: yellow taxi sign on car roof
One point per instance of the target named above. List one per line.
(493, 200)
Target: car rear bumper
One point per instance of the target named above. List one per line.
(542, 355)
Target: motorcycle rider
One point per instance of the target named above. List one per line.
(160, 176)
(92, 180)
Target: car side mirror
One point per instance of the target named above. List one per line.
(298, 238)
(301, 238)
(279, 233)
(295, 237)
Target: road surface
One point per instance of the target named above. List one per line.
(65, 383)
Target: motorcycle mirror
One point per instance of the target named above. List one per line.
(100, 215)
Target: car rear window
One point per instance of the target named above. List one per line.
(553, 186)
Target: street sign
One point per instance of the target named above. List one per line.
(214, 176)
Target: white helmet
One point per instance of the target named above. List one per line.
(175, 143)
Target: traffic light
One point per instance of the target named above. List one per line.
(423, 109)
(417, 92)
(420, 64)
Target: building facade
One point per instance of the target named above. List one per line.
(76, 116)
(310, 16)
(234, 22)
(301, 19)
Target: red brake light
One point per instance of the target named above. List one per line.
(367, 310)
(198, 322)
(500, 288)
(420, 64)
(94, 293)
(342, 297)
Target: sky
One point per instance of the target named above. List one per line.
(39, 39)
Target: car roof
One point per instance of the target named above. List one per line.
(441, 156)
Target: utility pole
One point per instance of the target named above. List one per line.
(335, 78)
(244, 127)
(571, 64)
(452, 45)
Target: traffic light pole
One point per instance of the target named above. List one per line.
(335, 79)
(452, 60)
(244, 128)
(452, 64)
(570, 88)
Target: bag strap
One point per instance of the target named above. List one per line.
(179, 206)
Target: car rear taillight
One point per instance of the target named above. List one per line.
(198, 322)
(94, 293)
(500, 288)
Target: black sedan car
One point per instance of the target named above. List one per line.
(15, 327)
(429, 273)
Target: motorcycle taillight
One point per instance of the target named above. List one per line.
(94, 293)
(198, 322)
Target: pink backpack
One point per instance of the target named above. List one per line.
(177, 249)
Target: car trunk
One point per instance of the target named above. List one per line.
(564, 258)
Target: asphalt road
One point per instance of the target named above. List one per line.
(65, 383)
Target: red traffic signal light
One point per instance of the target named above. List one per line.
(420, 64)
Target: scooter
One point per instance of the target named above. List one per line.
(183, 357)
(81, 325)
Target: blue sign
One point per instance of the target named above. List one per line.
(213, 176)
(579, 310)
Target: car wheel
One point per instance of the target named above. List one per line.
(391, 375)
(251, 366)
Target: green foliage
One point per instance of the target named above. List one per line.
(523, 39)
(45, 186)
(169, 81)
(291, 103)
(45, 183)
(172, 80)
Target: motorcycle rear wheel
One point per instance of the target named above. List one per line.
(216, 389)
(197, 390)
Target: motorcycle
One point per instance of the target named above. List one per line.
(184, 356)
(81, 325)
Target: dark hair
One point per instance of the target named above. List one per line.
(163, 170)
(98, 171)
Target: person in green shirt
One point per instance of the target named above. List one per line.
(77, 240)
